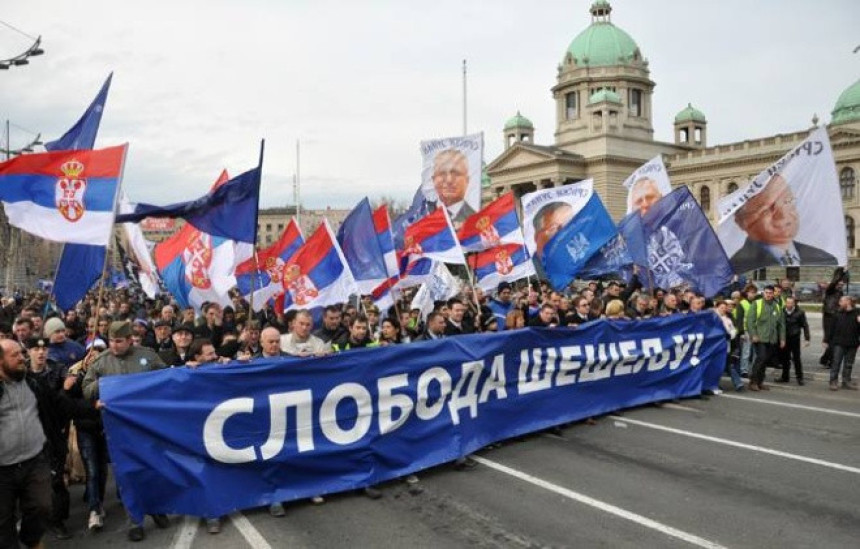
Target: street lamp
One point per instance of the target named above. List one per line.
(34, 50)
(28, 148)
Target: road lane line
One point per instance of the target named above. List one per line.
(682, 408)
(253, 536)
(606, 507)
(185, 536)
(798, 406)
(754, 448)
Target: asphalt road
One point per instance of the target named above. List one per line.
(772, 469)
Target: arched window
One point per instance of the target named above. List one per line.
(849, 231)
(846, 181)
(732, 187)
(705, 198)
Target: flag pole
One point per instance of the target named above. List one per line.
(256, 230)
(108, 246)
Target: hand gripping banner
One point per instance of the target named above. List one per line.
(209, 441)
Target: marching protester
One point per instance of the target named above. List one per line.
(122, 358)
(300, 341)
(795, 325)
(844, 337)
(32, 450)
(766, 328)
(178, 354)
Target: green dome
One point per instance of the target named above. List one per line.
(518, 121)
(847, 107)
(604, 95)
(602, 43)
(690, 113)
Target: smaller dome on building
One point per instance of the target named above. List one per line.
(847, 107)
(690, 113)
(518, 121)
(604, 95)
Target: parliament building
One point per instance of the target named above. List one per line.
(604, 131)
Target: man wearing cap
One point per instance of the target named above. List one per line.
(123, 358)
(177, 355)
(140, 329)
(30, 413)
(61, 349)
(163, 331)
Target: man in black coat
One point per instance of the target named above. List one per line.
(844, 338)
(795, 325)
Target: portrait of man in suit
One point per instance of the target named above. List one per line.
(450, 180)
(548, 221)
(643, 194)
(771, 221)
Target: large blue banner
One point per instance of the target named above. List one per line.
(209, 441)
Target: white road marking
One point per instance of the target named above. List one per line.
(682, 408)
(798, 406)
(754, 448)
(253, 536)
(184, 537)
(606, 507)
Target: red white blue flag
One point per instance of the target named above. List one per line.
(317, 274)
(505, 263)
(494, 225)
(431, 237)
(264, 277)
(64, 196)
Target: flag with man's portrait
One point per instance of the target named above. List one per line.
(451, 174)
(648, 184)
(785, 216)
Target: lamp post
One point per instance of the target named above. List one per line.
(34, 50)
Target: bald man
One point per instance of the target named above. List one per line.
(771, 221)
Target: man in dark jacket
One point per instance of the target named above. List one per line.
(31, 415)
(795, 324)
(844, 337)
(832, 295)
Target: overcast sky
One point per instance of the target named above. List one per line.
(197, 83)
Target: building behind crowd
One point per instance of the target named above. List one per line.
(604, 130)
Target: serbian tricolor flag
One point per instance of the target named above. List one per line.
(381, 295)
(431, 237)
(198, 267)
(317, 274)
(505, 263)
(494, 225)
(265, 276)
(64, 196)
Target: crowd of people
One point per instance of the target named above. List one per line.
(51, 362)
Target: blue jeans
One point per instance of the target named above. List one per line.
(734, 372)
(747, 355)
(94, 454)
(842, 357)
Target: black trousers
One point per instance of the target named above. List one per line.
(789, 354)
(25, 486)
(827, 324)
(765, 353)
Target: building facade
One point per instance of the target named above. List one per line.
(604, 131)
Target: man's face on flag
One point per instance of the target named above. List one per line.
(644, 194)
(549, 221)
(450, 176)
(770, 216)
